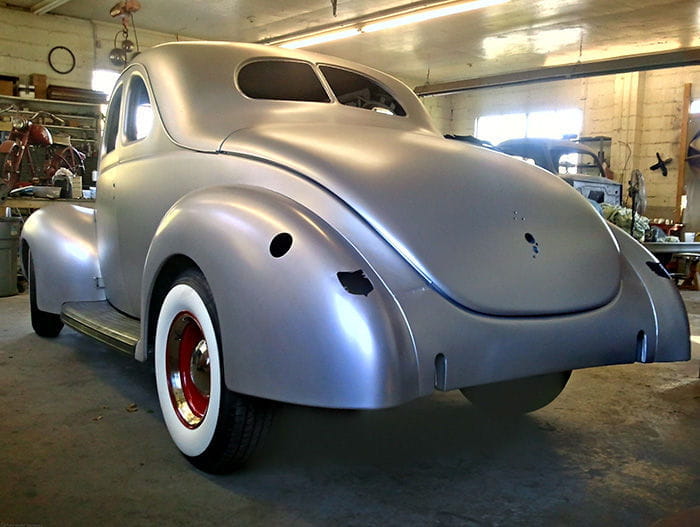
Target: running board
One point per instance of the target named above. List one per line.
(102, 322)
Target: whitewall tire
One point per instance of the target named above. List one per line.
(216, 429)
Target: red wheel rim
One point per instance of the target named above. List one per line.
(187, 369)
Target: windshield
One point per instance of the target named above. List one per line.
(582, 163)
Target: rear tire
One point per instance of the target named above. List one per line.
(217, 430)
(45, 324)
(518, 396)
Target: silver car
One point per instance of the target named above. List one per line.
(275, 225)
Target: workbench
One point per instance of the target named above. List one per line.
(687, 251)
(659, 248)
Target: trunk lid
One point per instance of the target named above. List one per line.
(491, 233)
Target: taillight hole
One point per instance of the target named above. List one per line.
(280, 244)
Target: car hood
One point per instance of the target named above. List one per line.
(493, 234)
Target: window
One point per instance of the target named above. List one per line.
(498, 128)
(104, 80)
(576, 163)
(112, 125)
(139, 116)
(695, 106)
(353, 89)
(281, 80)
(553, 124)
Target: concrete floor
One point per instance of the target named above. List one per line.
(620, 446)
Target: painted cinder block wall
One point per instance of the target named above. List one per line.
(641, 112)
(26, 39)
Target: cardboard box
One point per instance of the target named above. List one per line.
(68, 93)
(7, 87)
(40, 85)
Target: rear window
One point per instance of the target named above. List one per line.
(353, 89)
(281, 80)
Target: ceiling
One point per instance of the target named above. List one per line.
(514, 36)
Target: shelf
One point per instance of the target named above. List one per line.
(95, 107)
(88, 116)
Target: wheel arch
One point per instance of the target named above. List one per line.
(63, 242)
(290, 329)
(171, 268)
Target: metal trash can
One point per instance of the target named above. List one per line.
(9, 246)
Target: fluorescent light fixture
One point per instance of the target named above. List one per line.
(321, 38)
(429, 14)
(43, 7)
(387, 22)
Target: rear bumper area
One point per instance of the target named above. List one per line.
(645, 322)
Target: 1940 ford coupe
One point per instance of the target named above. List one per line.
(274, 225)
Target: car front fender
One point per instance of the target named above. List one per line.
(63, 243)
(303, 317)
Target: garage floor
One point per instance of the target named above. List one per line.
(82, 443)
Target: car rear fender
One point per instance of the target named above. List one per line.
(63, 243)
(670, 341)
(303, 317)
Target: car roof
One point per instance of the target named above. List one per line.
(194, 87)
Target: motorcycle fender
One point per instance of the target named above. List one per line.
(6, 146)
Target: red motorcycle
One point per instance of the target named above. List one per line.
(29, 139)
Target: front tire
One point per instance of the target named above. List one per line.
(45, 324)
(216, 430)
(518, 396)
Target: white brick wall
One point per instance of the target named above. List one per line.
(26, 39)
(641, 112)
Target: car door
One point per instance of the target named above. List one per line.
(106, 216)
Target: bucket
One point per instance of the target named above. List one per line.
(9, 245)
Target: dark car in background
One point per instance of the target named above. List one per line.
(577, 164)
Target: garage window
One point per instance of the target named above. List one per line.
(353, 89)
(552, 124)
(281, 80)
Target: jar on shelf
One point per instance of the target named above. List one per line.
(26, 91)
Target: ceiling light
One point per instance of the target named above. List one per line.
(321, 38)
(372, 24)
(429, 14)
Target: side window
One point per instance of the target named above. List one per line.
(281, 80)
(112, 125)
(353, 89)
(139, 113)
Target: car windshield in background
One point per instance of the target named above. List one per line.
(576, 163)
(353, 89)
(281, 80)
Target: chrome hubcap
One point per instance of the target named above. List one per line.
(199, 366)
